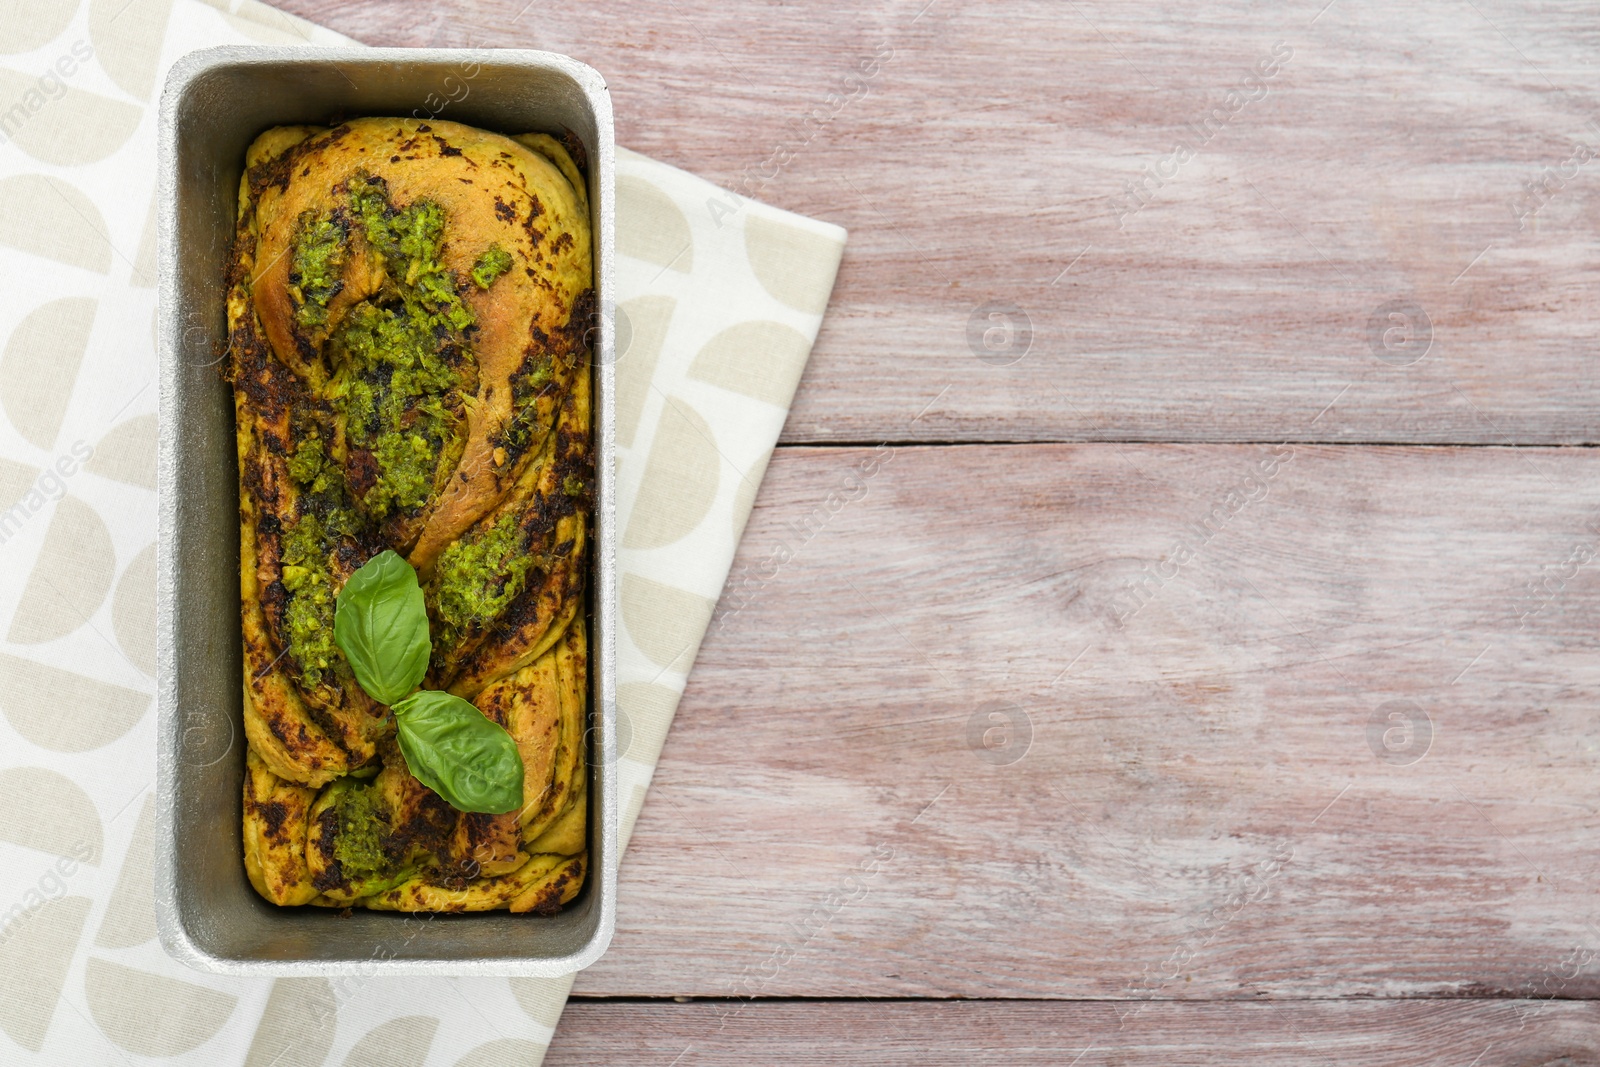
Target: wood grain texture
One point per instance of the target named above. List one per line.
(1384, 160)
(961, 732)
(1350, 1034)
(1199, 804)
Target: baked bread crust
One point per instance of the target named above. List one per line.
(408, 307)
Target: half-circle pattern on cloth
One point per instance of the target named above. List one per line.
(127, 37)
(29, 24)
(71, 577)
(649, 707)
(34, 957)
(144, 260)
(651, 227)
(16, 481)
(150, 1014)
(40, 367)
(796, 266)
(402, 1042)
(127, 453)
(540, 999)
(130, 918)
(680, 479)
(52, 218)
(297, 1027)
(68, 128)
(665, 622)
(47, 811)
(760, 359)
(133, 611)
(648, 318)
(63, 711)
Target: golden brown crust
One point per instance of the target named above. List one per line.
(494, 191)
(546, 895)
(557, 522)
(277, 724)
(275, 817)
(544, 882)
(315, 731)
(516, 446)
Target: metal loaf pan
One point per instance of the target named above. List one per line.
(214, 104)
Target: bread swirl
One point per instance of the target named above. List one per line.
(408, 305)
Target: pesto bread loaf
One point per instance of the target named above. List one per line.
(408, 305)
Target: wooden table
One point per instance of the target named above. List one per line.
(1209, 672)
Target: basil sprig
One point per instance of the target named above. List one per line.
(381, 625)
(459, 753)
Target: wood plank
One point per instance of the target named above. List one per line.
(1018, 1034)
(1204, 807)
(1385, 161)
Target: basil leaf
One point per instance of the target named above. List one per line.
(381, 625)
(460, 753)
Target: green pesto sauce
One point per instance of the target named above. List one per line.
(494, 262)
(410, 240)
(316, 267)
(307, 461)
(573, 485)
(526, 385)
(307, 568)
(394, 403)
(308, 615)
(476, 578)
(363, 823)
(517, 434)
(397, 382)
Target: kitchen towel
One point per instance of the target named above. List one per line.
(720, 298)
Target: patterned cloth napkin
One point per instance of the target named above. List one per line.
(720, 300)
